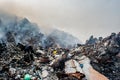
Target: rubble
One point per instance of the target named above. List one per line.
(18, 61)
(28, 57)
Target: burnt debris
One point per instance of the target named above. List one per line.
(26, 53)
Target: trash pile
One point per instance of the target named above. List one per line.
(28, 56)
(105, 55)
(19, 61)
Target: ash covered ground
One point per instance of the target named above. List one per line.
(26, 51)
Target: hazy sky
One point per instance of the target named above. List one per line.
(80, 18)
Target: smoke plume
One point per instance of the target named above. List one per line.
(21, 30)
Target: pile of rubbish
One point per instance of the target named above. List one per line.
(19, 61)
(105, 55)
(26, 54)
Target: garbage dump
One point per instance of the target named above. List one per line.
(23, 57)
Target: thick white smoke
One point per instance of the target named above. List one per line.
(23, 31)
